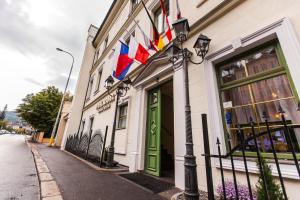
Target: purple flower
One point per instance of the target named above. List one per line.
(243, 191)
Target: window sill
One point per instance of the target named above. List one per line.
(120, 129)
(287, 170)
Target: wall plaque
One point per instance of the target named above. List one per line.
(105, 104)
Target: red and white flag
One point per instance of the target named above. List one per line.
(168, 32)
(178, 10)
(137, 51)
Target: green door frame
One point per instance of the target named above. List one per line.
(153, 146)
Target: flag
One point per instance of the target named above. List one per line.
(168, 32)
(161, 43)
(156, 35)
(121, 62)
(178, 10)
(137, 51)
(149, 44)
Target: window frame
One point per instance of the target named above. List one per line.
(156, 15)
(99, 74)
(133, 5)
(122, 117)
(282, 69)
(90, 89)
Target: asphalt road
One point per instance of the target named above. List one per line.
(77, 181)
(18, 176)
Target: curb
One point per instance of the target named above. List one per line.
(118, 170)
(48, 187)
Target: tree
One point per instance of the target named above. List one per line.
(274, 190)
(40, 110)
(3, 113)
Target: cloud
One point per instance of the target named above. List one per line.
(30, 31)
(34, 82)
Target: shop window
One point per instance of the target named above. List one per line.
(159, 17)
(122, 118)
(254, 83)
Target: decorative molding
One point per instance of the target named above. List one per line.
(281, 30)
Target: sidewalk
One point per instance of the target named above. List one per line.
(78, 181)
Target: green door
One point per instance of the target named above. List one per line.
(152, 161)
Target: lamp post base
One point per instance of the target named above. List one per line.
(110, 163)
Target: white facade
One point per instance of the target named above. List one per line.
(234, 26)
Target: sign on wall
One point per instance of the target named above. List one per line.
(105, 104)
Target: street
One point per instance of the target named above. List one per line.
(18, 177)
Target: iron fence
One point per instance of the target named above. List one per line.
(251, 143)
(89, 146)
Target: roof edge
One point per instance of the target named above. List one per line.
(104, 21)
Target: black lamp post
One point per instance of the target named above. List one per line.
(181, 28)
(121, 91)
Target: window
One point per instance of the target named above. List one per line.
(90, 89)
(91, 125)
(106, 42)
(99, 79)
(122, 116)
(252, 84)
(96, 56)
(127, 41)
(82, 128)
(159, 17)
(134, 4)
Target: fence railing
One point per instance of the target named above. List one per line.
(89, 146)
(251, 142)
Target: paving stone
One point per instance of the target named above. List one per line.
(45, 177)
(49, 189)
(42, 168)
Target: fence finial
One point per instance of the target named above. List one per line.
(251, 121)
(218, 141)
(265, 115)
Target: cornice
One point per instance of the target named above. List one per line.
(216, 13)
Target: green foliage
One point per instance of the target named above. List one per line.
(274, 189)
(40, 110)
(3, 113)
(3, 124)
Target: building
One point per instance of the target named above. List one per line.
(63, 122)
(253, 66)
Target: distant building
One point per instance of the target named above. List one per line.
(63, 122)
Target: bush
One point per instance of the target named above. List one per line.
(243, 191)
(274, 190)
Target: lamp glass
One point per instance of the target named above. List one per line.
(109, 82)
(202, 45)
(181, 28)
(173, 52)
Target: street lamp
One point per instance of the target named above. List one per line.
(181, 28)
(51, 142)
(121, 91)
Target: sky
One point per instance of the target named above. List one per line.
(30, 32)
